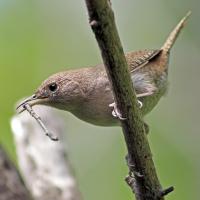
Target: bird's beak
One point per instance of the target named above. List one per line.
(32, 100)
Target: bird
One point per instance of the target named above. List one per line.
(86, 92)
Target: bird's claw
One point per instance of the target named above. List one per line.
(116, 113)
(140, 103)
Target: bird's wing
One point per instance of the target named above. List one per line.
(143, 83)
(139, 59)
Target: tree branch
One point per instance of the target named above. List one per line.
(144, 180)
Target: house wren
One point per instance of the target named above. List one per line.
(87, 93)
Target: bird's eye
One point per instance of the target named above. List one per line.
(53, 87)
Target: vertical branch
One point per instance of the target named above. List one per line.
(44, 163)
(143, 178)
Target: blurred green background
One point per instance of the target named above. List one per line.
(40, 37)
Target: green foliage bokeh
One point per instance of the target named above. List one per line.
(40, 37)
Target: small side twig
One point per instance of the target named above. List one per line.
(166, 191)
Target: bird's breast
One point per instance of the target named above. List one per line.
(96, 110)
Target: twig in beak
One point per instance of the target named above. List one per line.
(31, 98)
(38, 119)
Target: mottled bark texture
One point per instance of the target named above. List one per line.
(143, 178)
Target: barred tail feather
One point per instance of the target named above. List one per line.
(174, 34)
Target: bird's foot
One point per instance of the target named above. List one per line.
(140, 103)
(116, 113)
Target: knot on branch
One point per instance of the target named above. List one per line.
(130, 180)
(94, 23)
(132, 170)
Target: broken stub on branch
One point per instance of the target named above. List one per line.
(26, 106)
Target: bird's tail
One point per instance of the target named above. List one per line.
(174, 34)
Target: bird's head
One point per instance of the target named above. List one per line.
(60, 90)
